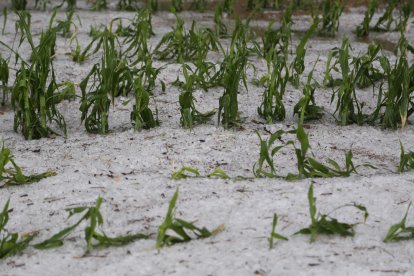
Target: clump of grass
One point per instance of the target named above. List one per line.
(323, 224)
(399, 231)
(364, 28)
(4, 79)
(233, 69)
(331, 12)
(274, 234)
(406, 160)
(93, 237)
(272, 108)
(181, 46)
(10, 243)
(181, 230)
(190, 116)
(35, 89)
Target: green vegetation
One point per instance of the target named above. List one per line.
(406, 160)
(19, 5)
(331, 12)
(93, 237)
(10, 243)
(4, 79)
(14, 175)
(322, 224)
(181, 230)
(364, 28)
(274, 234)
(399, 231)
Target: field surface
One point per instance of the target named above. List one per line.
(132, 170)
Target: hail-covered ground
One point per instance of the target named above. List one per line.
(132, 171)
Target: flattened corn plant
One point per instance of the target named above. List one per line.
(406, 160)
(399, 231)
(324, 224)
(93, 236)
(11, 173)
(308, 166)
(174, 230)
(11, 243)
(190, 116)
(272, 108)
(181, 46)
(35, 93)
(233, 69)
(331, 12)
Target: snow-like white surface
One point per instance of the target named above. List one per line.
(131, 171)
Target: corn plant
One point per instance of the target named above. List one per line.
(35, 88)
(99, 5)
(274, 234)
(324, 224)
(141, 115)
(176, 5)
(93, 237)
(406, 160)
(220, 28)
(397, 99)
(10, 243)
(189, 172)
(19, 5)
(12, 174)
(272, 108)
(152, 5)
(182, 46)
(366, 74)
(190, 116)
(331, 12)
(399, 231)
(277, 40)
(298, 65)
(5, 15)
(386, 21)
(306, 108)
(78, 55)
(70, 4)
(364, 28)
(233, 69)
(64, 26)
(199, 5)
(181, 230)
(127, 5)
(4, 78)
(228, 6)
(112, 77)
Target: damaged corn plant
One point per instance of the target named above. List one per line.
(331, 12)
(35, 93)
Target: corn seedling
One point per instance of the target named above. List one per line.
(184, 173)
(233, 69)
(181, 230)
(190, 116)
(19, 5)
(397, 98)
(11, 173)
(306, 108)
(324, 224)
(386, 21)
(64, 26)
(78, 55)
(364, 28)
(10, 243)
(138, 33)
(331, 12)
(220, 28)
(93, 237)
(141, 115)
(399, 231)
(35, 88)
(272, 108)
(406, 160)
(4, 78)
(111, 78)
(298, 65)
(99, 5)
(182, 46)
(277, 40)
(274, 234)
(365, 72)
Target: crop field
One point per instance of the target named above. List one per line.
(194, 137)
